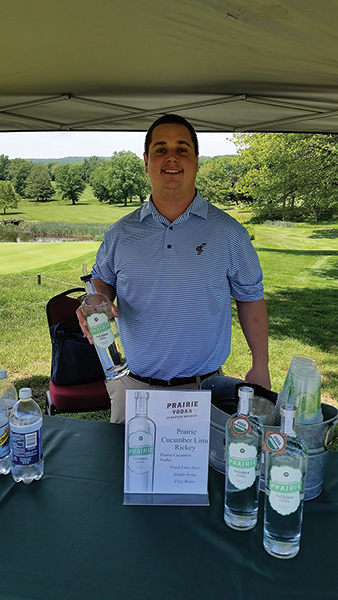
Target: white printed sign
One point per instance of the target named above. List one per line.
(167, 442)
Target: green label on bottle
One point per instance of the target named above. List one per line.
(285, 486)
(100, 329)
(242, 461)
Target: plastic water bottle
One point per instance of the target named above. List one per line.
(244, 439)
(26, 438)
(7, 391)
(5, 453)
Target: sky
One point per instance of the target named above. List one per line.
(59, 144)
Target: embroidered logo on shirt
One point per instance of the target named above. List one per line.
(199, 249)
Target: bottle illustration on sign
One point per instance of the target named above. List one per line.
(285, 471)
(244, 436)
(141, 443)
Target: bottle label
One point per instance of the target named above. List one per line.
(284, 489)
(242, 462)
(240, 425)
(140, 452)
(4, 438)
(100, 329)
(26, 444)
(275, 442)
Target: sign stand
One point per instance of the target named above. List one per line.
(167, 447)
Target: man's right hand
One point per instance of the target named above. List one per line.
(83, 325)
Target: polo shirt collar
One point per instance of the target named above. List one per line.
(197, 207)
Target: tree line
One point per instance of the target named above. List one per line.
(281, 176)
(119, 179)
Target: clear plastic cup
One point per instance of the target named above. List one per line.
(306, 395)
(307, 366)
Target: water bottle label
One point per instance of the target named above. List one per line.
(100, 329)
(242, 462)
(140, 452)
(4, 440)
(26, 446)
(285, 487)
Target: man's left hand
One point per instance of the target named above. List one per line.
(259, 376)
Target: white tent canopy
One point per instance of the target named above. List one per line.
(116, 65)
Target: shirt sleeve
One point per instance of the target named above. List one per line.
(104, 265)
(246, 277)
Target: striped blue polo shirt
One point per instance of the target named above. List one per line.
(174, 283)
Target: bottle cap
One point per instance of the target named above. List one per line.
(3, 374)
(288, 408)
(87, 277)
(245, 390)
(25, 393)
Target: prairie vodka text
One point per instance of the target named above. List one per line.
(140, 447)
(285, 471)
(243, 436)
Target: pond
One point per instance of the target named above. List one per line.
(26, 236)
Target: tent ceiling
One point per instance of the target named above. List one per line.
(242, 65)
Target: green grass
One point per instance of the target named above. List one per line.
(300, 266)
(87, 210)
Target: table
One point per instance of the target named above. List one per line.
(69, 537)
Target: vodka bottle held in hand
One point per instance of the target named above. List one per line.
(101, 322)
(26, 438)
(244, 437)
(285, 471)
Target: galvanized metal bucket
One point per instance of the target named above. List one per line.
(317, 436)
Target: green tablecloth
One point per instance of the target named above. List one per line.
(69, 537)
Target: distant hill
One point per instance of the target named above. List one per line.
(67, 160)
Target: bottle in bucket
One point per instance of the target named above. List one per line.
(285, 471)
(101, 322)
(243, 437)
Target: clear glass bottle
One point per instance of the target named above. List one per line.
(7, 391)
(243, 441)
(141, 443)
(26, 439)
(5, 452)
(101, 322)
(285, 471)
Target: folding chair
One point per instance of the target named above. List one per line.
(77, 378)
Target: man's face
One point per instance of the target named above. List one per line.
(171, 161)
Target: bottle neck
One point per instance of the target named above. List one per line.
(141, 404)
(288, 423)
(244, 405)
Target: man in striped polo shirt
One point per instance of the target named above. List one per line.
(172, 265)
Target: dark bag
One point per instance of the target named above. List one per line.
(74, 359)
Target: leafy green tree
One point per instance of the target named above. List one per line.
(18, 171)
(289, 176)
(121, 179)
(214, 179)
(4, 166)
(99, 185)
(38, 184)
(89, 165)
(8, 197)
(69, 182)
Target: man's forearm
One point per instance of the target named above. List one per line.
(253, 318)
(105, 288)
